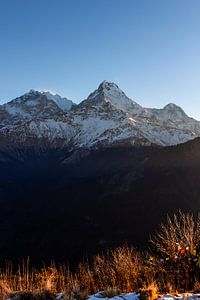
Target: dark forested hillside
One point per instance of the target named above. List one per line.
(55, 204)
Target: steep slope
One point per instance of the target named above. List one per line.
(56, 206)
(103, 122)
(110, 92)
(63, 103)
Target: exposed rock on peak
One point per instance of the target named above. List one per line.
(62, 102)
(170, 106)
(175, 111)
(110, 92)
(107, 85)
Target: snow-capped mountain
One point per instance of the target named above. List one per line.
(107, 117)
(35, 104)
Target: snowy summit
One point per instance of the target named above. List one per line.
(107, 117)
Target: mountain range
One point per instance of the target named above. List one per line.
(76, 179)
(106, 118)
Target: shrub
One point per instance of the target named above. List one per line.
(177, 247)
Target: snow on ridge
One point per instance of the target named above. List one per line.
(16, 111)
(62, 102)
(33, 98)
(51, 128)
(110, 92)
(106, 116)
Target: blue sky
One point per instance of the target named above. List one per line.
(150, 48)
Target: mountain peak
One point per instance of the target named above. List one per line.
(173, 109)
(62, 102)
(109, 91)
(171, 106)
(108, 85)
(32, 92)
(106, 89)
(109, 88)
(38, 103)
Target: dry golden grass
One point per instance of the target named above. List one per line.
(153, 289)
(122, 270)
(117, 270)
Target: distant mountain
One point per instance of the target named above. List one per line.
(106, 118)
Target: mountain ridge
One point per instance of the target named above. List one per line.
(106, 117)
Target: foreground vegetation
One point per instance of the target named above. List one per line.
(171, 265)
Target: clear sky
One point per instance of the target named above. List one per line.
(150, 48)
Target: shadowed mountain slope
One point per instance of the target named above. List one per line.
(56, 204)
